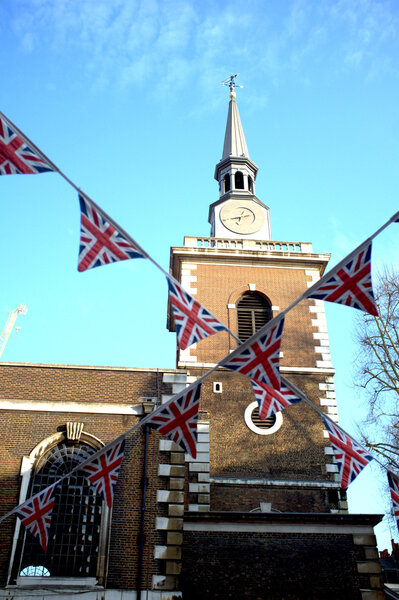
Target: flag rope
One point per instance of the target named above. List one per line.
(227, 358)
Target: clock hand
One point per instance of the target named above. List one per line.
(232, 218)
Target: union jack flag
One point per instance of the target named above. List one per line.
(393, 482)
(349, 283)
(103, 471)
(270, 400)
(351, 458)
(193, 322)
(260, 356)
(101, 242)
(35, 514)
(177, 420)
(16, 155)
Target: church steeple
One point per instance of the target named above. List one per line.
(234, 139)
(242, 213)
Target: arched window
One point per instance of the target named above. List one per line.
(226, 183)
(74, 542)
(253, 311)
(239, 181)
(250, 184)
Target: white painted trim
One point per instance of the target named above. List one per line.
(74, 407)
(98, 593)
(88, 367)
(273, 482)
(239, 527)
(71, 582)
(282, 369)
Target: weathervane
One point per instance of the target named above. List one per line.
(232, 84)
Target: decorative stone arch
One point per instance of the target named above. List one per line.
(73, 433)
(238, 180)
(226, 183)
(236, 294)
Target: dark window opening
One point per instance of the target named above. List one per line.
(74, 535)
(239, 181)
(226, 183)
(253, 311)
(250, 184)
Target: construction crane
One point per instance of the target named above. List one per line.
(12, 317)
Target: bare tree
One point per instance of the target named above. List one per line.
(378, 370)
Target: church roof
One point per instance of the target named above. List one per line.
(234, 139)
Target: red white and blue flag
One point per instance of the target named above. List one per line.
(101, 242)
(103, 471)
(16, 154)
(178, 418)
(193, 322)
(349, 283)
(271, 401)
(350, 457)
(260, 356)
(393, 482)
(35, 514)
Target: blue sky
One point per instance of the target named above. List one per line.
(125, 97)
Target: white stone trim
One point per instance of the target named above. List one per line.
(328, 451)
(248, 421)
(174, 378)
(283, 369)
(97, 594)
(240, 527)
(203, 488)
(73, 407)
(331, 468)
(273, 482)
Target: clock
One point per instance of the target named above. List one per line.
(243, 216)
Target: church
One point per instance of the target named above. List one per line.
(259, 513)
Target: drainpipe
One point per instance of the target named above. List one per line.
(141, 536)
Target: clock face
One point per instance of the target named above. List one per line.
(243, 216)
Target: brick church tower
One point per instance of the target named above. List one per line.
(245, 278)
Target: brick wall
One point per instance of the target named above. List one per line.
(263, 560)
(22, 430)
(64, 383)
(218, 280)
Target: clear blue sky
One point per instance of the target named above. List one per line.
(125, 97)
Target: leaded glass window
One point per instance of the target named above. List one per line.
(74, 536)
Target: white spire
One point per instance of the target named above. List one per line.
(234, 139)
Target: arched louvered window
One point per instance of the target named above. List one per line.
(253, 311)
(226, 183)
(239, 181)
(77, 518)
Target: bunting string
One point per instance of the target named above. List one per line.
(260, 363)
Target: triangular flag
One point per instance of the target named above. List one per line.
(177, 420)
(16, 154)
(349, 283)
(101, 242)
(193, 322)
(35, 514)
(103, 471)
(270, 400)
(351, 458)
(259, 356)
(393, 482)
